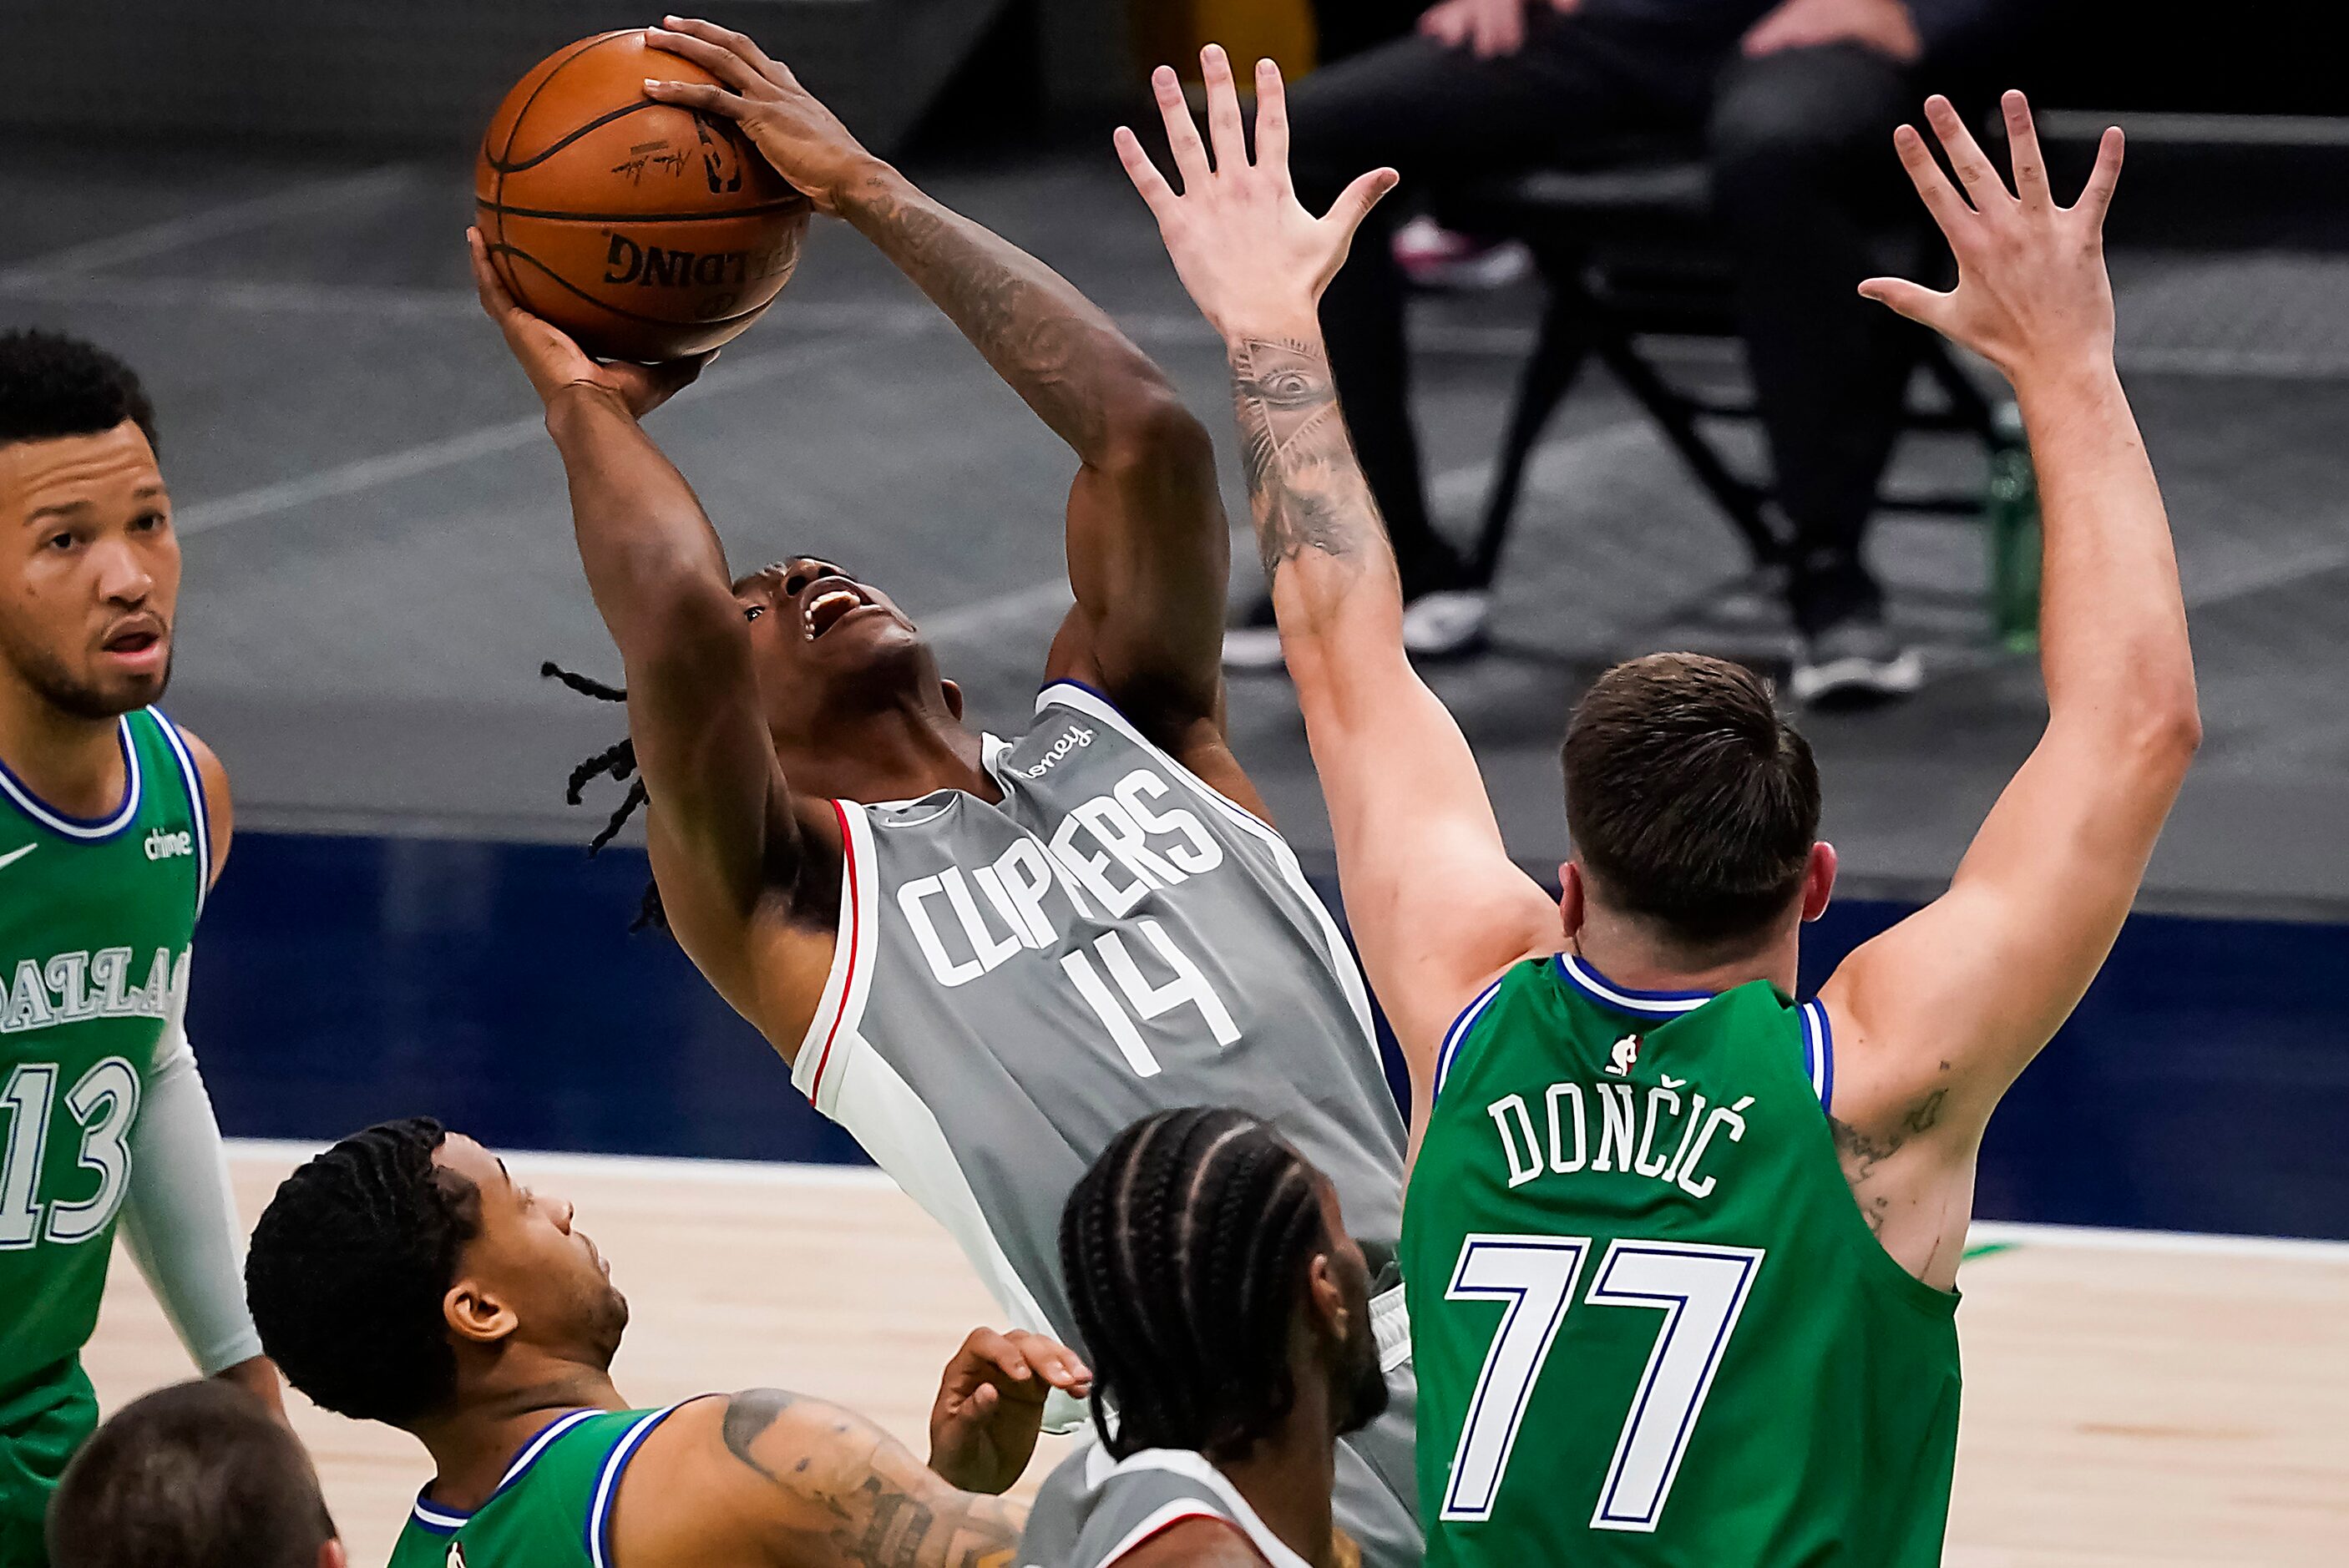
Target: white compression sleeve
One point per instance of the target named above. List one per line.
(179, 1216)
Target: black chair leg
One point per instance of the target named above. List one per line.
(1559, 350)
(1677, 418)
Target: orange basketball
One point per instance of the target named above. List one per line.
(646, 230)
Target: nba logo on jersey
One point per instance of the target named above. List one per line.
(1626, 1052)
(456, 1555)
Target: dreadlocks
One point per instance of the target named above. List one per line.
(618, 761)
(1184, 1248)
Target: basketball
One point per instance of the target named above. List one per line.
(645, 231)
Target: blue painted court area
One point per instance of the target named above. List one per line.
(2202, 1086)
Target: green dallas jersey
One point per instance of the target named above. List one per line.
(1650, 1322)
(95, 921)
(551, 1510)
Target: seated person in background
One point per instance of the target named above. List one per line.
(1796, 102)
(405, 1277)
(198, 1475)
(1230, 1314)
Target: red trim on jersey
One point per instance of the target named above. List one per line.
(1164, 1525)
(855, 928)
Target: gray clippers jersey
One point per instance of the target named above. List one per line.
(1092, 1509)
(1015, 983)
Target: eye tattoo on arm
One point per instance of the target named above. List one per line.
(1306, 489)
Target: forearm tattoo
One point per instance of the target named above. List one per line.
(1306, 489)
(873, 1504)
(1054, 346)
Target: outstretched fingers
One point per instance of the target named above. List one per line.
(1230, 138)
(1974, 168)
(1182, 134)
(1941, 199)
(1915, 301)
(1156, 194)
(1355, 201)
(1271, 119)
(2096, 197)
(2023, 146)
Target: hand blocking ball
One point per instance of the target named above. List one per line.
(645, 231)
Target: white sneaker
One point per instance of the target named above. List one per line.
(1437, 625)
(1854, 663)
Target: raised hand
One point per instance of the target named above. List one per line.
(804, 140)
(990, 1405)
(2032, 289)
(552, 361)
(1253, 258)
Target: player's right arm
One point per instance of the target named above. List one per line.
(729, 846)
(1936, 1017)
(1436, 905)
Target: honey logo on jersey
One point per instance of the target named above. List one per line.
(1626, 1052)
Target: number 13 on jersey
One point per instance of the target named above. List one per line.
(1699, 1289)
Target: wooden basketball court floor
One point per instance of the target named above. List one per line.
(2130, 1399)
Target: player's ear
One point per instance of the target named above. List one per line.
(1325, 1298)
(476, 1313)
(953, 697)
(1819, 881)
(1569, 897)
(332, 1556)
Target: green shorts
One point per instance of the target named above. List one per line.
(43, 1418)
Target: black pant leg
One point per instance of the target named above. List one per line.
(1814, 200)
(1438, 116)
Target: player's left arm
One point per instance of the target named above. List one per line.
(769, 1477)
(1436, 904)
(179, 1216)
(1936, 1017)
(1149, 546)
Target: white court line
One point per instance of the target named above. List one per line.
(429, 457)
(2096, 1238)
(774, 1174)
(214, 222)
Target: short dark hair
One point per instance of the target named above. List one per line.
(1688, 797)
(52, 385)
(1185, 1248)
(348, 1267)
(198, 1475)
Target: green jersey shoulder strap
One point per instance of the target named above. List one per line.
(552, 1509)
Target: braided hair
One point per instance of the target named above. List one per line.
(1184, 1248)
(347, 1268)
(618, 762)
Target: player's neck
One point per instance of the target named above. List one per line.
(1630, 955)
(896, 754)
(72, 763)
(473, 1449)
(1287, 1477)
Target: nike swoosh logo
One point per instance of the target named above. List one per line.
(13, 856)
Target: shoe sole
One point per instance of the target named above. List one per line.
(1858, 682)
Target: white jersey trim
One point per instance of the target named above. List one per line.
(1092, 704)
(1172, 1514)
(856, 948)
(1099, 1468)
(198, 805)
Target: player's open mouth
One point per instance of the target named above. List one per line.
(829, 603)
(138, 644)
